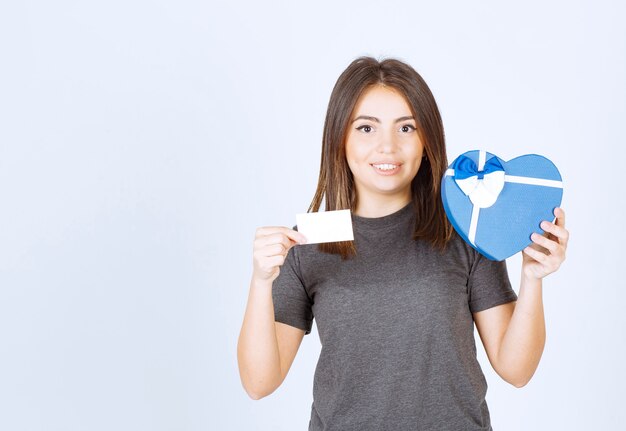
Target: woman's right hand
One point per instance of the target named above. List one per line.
(271, 245)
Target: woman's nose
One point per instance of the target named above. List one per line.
(387, 143)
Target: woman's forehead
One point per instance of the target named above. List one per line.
(384, 103)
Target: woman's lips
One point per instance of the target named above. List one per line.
(385, 172)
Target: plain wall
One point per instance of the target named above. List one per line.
(142, 143)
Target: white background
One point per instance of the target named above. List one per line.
(143, 142)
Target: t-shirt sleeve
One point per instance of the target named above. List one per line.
(292, 304)
(489, 284)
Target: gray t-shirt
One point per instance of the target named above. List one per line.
(395, 324)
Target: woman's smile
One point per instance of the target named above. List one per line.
(386, 169)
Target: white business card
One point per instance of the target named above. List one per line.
(325, 226)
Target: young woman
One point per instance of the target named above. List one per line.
(395, 308)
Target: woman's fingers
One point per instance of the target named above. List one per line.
(548, 250)
(275, 249)
(536, 254)
(276, 239)
(558, 231)
(290, 233)
(560, 216)
(271, 245)
(544, 242)
(559, 213)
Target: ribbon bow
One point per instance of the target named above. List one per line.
(481, 185)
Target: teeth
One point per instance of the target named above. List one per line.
(385, 167)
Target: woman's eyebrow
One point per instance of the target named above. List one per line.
(376, 120)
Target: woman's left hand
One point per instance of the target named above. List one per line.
(547, 252)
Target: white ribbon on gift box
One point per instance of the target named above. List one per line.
(484, 192)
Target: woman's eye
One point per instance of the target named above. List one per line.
(365, 128)
(407, 126)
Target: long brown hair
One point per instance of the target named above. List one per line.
(336, 183)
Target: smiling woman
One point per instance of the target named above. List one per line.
(395, 308)
(381, 111)
(383, 150)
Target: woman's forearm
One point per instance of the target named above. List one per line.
(257, 348)
(523, 342)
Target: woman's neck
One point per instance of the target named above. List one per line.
(380, 207)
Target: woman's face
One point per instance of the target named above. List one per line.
(383, 148)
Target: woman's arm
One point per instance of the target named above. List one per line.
(266, 349)
(514, 334)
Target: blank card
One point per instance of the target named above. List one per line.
(325, 226)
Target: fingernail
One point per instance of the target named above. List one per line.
(303, 240)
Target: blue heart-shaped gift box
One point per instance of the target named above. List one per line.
(526, 192)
